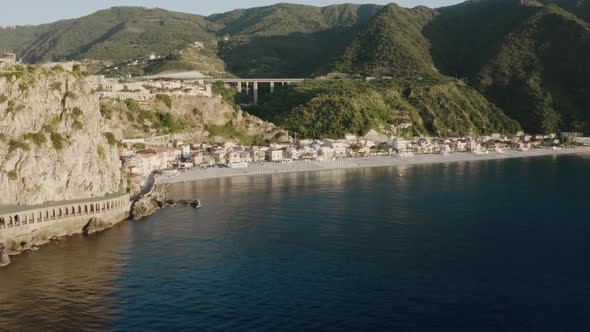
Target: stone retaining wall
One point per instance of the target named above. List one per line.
(25, 229)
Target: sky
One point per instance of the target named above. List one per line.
(21, 12)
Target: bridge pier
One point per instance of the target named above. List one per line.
(255, 84)
(255, 92)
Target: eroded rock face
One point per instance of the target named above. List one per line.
(96, 225)
(4, 258)
(196, 112)
(150, 203)
(51, 138)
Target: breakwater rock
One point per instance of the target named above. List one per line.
(149, 203)
(4, 258)
(156, 199)
(184, 203)
(96, 225)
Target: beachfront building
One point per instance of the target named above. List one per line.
(294, 153)
(239, 156)
(220, 156)
(582, 140)
(274, 155)
(185, 151)
(326, 152)
(398, 144)
(473, 145)
(257, 154)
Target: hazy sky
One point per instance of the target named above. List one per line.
(45, 11)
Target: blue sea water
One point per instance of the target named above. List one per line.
(474, 246)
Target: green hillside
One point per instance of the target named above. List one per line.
(581, 8)
(465, 37)
(527, 57)
(202, 59)
(435, 105)
(540, 75)
(288, 40)
(279, 39)
(284, 19)
(115, 34)
(391, 44)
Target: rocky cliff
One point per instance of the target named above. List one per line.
(189, 118)
(52, 142)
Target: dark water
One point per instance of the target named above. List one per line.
(483, 246)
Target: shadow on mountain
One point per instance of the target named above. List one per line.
(522, 57)
(85, 48)
(466, 36)
(293, 55)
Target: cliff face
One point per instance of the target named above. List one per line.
(52, 145)
(189, 118)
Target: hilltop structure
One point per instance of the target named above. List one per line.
(8, 57)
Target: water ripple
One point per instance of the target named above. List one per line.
(481, 246)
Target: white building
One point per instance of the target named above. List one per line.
(274, 155)
(397, 143)
(326, 152)
(350, 137)
(185, 151)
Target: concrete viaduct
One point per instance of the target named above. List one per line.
(255, 82)
(14, 217)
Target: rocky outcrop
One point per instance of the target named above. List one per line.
(4, 258)
(198, 115)
(52, 142)
(149, 203)
(185, 203)
(96, 225)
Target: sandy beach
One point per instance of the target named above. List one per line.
(357, 162)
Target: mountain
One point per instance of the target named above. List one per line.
(264, 41)
(391, 44)
(288, 40)
(580, 8)
(284, 19)
(59, 139)
(115, 34)
(526, 57)
(202, 58)
(432, 105)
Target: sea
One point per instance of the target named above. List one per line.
(496, 245)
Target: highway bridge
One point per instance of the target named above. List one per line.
(245, 83)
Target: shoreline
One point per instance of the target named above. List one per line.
(267, 168)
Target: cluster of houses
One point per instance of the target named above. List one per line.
(143, 91)
(171, 156)
(134, 62)
(8, 57)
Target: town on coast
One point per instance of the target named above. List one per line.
(176, 161)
